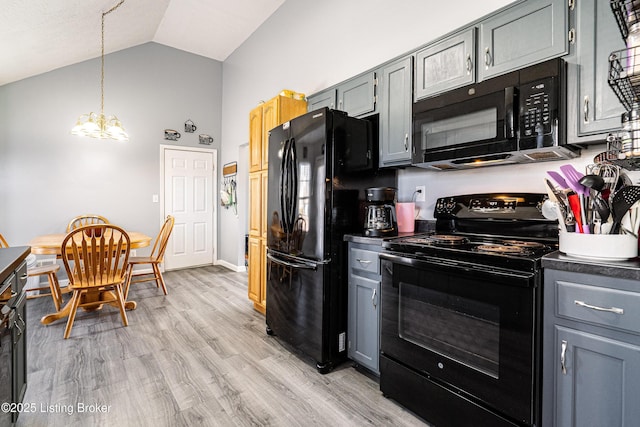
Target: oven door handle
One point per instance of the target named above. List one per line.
(449, 265)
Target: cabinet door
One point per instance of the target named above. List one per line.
(262, 305)
(598, 386)
(396, 100)
(446, 65)
(531, 32)
(364, 299)
(357, 96)
(264, 186)
(597, 35)
(255, 204)
(255, 270)
(325, 98)
(270, 119)
(255, 139)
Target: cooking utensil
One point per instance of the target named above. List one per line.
(594, 182)
(596, 205)
(573, 177)
(565, 217)
(602, 208)
(559, 179)
(609, 174)
(574, 203)
(622, 201)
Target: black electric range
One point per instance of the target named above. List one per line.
(461, 310)
(501, 230)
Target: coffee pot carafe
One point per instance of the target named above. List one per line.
(380, 212)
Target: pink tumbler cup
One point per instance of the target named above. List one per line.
(406, 217)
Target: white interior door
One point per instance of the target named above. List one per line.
(188, 196)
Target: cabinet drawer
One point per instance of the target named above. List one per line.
(364, 260)
(601, 306)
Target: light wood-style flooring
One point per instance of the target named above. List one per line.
(198, 356)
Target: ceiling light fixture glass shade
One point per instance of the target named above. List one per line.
(98, 125)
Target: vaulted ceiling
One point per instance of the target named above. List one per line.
(37, 36)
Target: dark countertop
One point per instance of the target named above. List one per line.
(10, 259)
(629, 269)
(422, 226)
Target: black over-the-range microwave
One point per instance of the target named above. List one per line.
(519, 117)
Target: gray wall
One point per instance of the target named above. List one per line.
(308, 45)
(48, 176)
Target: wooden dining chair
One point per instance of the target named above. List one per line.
(96, 259)
(86, 219)
(49, 270)
(156, 257)
(3, 242)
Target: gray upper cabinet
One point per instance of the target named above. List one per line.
(530, 32)
(446, 65)
(357, 96)
(596, 107)
(396, 100)
(326, 98)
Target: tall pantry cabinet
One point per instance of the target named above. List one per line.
(262, 119)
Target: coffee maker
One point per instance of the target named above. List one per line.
(380, 212)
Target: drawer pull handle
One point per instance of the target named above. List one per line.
(364, 261)
(563, 353)
(614, 310)
(373, 298)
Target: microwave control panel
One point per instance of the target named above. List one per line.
(538, 114)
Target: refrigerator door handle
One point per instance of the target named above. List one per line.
(294, 181)
(283, 178)
(301, 265)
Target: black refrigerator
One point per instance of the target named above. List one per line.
(319, 165)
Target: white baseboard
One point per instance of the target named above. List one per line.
(232, 267)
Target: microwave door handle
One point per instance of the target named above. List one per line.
(509, 113)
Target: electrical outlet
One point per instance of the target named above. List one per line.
(420, 193)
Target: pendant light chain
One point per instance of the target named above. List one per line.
(102, 56)
(101, 126)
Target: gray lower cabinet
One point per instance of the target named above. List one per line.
(592, 103)
(326, 98)
(528, 33)
(395, 87)
(446, 65)
(591, 359)
(363, 329)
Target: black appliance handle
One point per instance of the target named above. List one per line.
(478, 270)
(509, 113)
(283, 173)
(293, 198)
(303, 265)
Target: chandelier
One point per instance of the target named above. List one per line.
(99, 125)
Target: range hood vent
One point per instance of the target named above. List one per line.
(564, 152)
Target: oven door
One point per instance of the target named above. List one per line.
(467, 327)
(479, 126)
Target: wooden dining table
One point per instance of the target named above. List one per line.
(51, 244)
